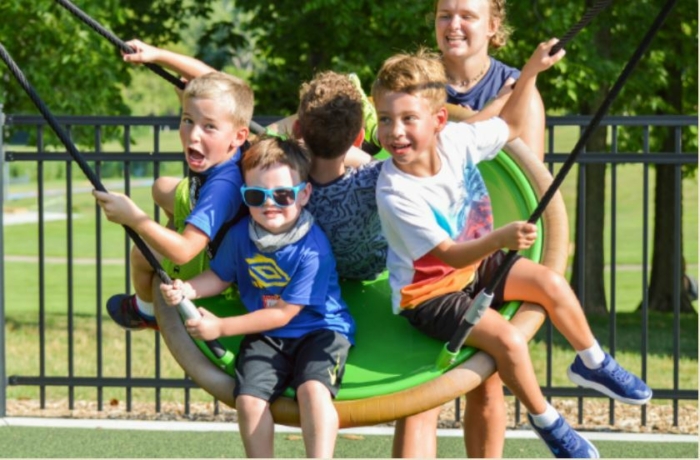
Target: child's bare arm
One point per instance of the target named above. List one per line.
(516, 236)
(186, 66)
(209, 327)
(206, 284)
(120, 209)
(516, 110)
(357, 157)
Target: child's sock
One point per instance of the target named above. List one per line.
(592, 357)
(145, 308)
(546, 418)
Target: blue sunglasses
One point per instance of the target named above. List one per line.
(255, 197)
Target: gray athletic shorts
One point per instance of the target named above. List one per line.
(266, 366)
(439, 317)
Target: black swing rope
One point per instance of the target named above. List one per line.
(483, 300)
(113, 39)
(186, 307)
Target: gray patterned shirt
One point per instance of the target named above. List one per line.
(346, 210)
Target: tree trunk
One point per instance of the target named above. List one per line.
(662, 281)
(587, 277)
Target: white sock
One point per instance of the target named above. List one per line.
(145, 308)
(592, 357)
(546, 418)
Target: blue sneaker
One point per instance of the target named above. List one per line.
(564, 441)
(612, 380)
(122, 308)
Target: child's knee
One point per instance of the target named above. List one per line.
(312, 389)
(250, 404)
(163, 193)
(513, 343)
(555, 286)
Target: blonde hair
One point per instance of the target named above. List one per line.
(420, 74)
(268, 151)
(497, 12)
(232, 92)
(330, 114)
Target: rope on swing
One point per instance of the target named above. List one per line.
(186, 307)
(113, 39)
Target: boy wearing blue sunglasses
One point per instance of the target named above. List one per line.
(298, 330)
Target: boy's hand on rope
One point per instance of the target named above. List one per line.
(517, 235)
(143, 53)
(207, 327)
(174, 293)
(119, 208)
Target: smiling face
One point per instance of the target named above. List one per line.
(408, 129)
(463, 28)
(273, 218)
(208, 134)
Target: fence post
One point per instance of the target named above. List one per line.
(3, 377)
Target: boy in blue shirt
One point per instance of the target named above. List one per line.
(216, 112)
(298, 330)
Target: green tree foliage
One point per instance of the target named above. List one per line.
(295, 39)
(72, 68)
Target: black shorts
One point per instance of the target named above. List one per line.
(440, 316)
(266, 366)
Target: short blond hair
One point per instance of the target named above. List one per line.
(270, 150)
(420, 74)
(232, 92)
(497, 10)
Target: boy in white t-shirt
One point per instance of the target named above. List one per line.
(437, 219)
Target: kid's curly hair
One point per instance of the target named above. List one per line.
(330, 114)
(420, 74)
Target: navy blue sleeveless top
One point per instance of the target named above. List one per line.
(489, 86)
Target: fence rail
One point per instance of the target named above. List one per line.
(37, 154)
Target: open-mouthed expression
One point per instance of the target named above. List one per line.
(207, 133)
(463, 28)
(408, 128)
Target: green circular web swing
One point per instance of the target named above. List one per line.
(391, 371)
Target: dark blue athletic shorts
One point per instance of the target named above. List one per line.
(266, 366)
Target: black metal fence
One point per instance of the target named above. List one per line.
(146, 163)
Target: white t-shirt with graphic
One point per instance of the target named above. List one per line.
(418, 213)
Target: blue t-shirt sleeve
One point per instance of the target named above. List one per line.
(309, 284)
(225, 261)
(218, 203)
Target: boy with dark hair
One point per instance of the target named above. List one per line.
(330, 122)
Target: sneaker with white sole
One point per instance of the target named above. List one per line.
(123, 310)
(612, 380)
(563, 441)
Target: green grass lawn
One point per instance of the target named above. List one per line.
(21, 442)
